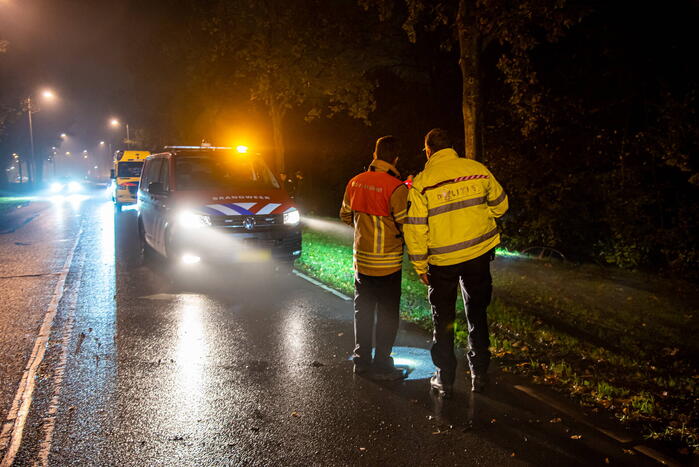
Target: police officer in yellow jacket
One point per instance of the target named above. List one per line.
(375, 204)
(451, 235)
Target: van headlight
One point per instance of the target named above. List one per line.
(191, 220)
(292, 217)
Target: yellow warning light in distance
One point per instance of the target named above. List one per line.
(241, 149)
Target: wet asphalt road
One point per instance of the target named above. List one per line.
(143, 367)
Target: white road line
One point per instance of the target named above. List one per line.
(321, 285)
(13, 428)
(50, 419)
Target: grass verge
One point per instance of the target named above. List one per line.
(603, 358)
(8, 203)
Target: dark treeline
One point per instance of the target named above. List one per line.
(587, 112)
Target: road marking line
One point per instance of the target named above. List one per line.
(322, 286)
(11, 437)
(50, 420)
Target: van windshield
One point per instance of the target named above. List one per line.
(222, 170)
(129, 169)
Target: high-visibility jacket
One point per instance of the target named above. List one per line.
(453, 204)
(375, 204)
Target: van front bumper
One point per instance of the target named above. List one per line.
(213, 246)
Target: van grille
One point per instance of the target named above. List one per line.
(238, 222)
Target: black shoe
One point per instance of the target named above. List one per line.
(387, 374)
(445, 390)
(479, 383)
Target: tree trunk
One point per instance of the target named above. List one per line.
(277, 114)
(469, 61)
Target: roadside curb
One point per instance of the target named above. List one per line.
(321, 285)
(621, 436)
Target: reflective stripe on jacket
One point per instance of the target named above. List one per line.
(375, 204)
(453, 206)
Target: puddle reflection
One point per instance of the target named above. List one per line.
(191, 353)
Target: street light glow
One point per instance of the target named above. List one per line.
(48, 94)
(64, 136)
(114, 122)
(101, 143)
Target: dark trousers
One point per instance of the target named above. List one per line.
(375, 297)
(476, 288)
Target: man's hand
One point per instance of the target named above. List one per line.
(424, 279)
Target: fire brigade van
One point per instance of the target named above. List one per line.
(126, 175)
(216, 205)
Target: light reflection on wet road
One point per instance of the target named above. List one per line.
(242, 368)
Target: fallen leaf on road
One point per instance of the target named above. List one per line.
(295, 414)
(513, 455)
(493, 420)
(362, 449)
(340, 334)
(629, 452)
(555, 420)
(606, 460)
(576, 437)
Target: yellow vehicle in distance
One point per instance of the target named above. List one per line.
(126, 176)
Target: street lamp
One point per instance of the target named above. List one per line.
(48, 95)
(64, 136)
(116, 123)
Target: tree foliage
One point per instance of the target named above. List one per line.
(610, 173)
(506, 31)
(588, 118)
(307, 54)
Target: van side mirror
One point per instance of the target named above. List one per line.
(156, 188)
(112, 175)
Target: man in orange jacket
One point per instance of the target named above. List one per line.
(375, 203)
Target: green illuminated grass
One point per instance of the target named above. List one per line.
(606, 357)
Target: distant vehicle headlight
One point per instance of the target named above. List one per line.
(56, 187)
(292, 217)
(74, 186)
(191, 220)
